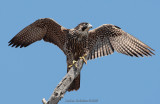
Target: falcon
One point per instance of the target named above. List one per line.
(76, 42)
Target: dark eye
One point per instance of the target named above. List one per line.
(84, 27)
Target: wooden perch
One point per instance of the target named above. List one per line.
(64, 84)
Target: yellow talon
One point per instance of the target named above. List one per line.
(70, 66)
(74, 63)
(83, 57)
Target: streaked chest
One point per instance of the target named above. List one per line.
(77, 41)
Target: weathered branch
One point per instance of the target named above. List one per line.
(64, 84)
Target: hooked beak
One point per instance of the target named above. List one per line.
(89, 26)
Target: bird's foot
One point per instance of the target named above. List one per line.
(83, 57)
(74, 63)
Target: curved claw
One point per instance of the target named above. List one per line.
(74, 63)
(83, 57)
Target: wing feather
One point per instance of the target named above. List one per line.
(107, 38)
(46, 29)
(104, 49)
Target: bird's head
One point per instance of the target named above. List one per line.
(83, 26)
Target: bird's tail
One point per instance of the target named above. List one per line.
(75, 85)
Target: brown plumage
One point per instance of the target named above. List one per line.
(101, 41)
(107, 38)
(46, 29)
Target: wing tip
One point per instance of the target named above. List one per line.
(12, 44)
(151, 49)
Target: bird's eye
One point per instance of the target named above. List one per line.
(84, 27)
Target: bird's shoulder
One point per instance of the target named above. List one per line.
(105, 27)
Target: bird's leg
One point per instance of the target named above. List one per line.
(74, 63)
(83, 57)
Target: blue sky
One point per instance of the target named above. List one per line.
(29, 74)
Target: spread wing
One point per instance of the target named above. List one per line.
(107, 38)
(46, 29)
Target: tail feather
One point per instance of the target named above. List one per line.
(75, 85)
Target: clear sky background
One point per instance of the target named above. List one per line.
(29, 74)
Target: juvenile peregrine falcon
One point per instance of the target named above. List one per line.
(75, 42)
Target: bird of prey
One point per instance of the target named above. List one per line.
(75, 42)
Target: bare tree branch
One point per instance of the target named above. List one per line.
(64, 84)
